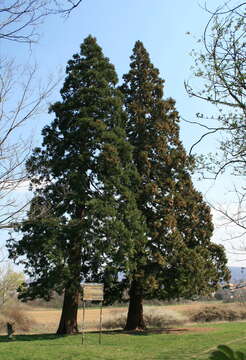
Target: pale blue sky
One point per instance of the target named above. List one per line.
(161, 25)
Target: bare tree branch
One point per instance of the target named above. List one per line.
(221, 65)
(21, 97)
(20, 18)
(20, 102)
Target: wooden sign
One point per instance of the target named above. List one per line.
(92, 292)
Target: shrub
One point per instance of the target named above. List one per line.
(116, 321)
(217, 313)
(161, 318)
(15, 314)
(224, 352)
(154, 318)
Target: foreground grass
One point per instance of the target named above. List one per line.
(188, 345)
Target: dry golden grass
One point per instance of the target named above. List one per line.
(46, 320)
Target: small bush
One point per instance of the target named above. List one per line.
(15, 315)
(161, 318)
(217, 313)
(224, 352)
(116, 321)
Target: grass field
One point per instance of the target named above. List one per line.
(187, 341)
(193, 343)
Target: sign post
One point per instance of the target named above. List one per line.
(83, 323)
(92, 292)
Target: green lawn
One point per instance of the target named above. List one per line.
(116, 346)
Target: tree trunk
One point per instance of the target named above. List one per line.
(68, 322)
(135, 320)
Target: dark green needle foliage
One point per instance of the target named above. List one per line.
(113, 193)
(83, 215)
(179, 259)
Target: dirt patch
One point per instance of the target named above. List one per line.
(178, 331)
(186, 330)
(201, 329)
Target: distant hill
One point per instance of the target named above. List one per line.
(237, 273)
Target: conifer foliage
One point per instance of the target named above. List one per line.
(83, 213)
(179, 258)
(113, 194)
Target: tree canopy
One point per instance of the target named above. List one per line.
(113, 194)
(83, 212)
(179, 259)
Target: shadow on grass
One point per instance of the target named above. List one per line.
(40, 337)
(29, 338)
(142, 332)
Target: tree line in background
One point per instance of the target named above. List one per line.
(113, 194)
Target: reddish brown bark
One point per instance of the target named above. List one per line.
(135, 319)
(68, 322)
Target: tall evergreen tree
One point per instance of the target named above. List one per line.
(179, 258)
(83, 214)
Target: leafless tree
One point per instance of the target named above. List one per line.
(10, 280)
(21, 96)
(21, 100)
(232, 217)
(221, 65)
(20, 18)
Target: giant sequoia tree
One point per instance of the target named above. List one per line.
(113, 194)
(179, 259)
(83, 214)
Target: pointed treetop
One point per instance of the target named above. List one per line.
(89, 68)
(141, 63)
